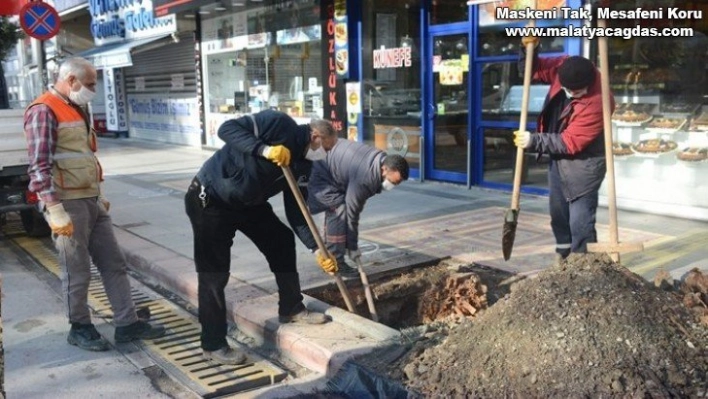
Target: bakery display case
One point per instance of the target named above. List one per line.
(660, 147)
(660, 122)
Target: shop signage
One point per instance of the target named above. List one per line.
(393, 58)
(333, 88)
(112, 60)
(151, 113)
(337, 27)
(127, 20)
(114, 89)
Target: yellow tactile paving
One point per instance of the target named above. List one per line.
(179, 349)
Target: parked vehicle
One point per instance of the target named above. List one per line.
(14, 196)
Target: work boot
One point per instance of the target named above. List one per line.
(304, 316)
(86, 337)
(138, 330)
(346, 271)
(558, 261)
(225, 355)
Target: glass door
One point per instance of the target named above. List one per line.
(448, 104)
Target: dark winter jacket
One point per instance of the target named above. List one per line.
(350, 175)
(239, 177)
(578, 145)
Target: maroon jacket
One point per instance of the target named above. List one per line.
(578, 146)
(581, 122)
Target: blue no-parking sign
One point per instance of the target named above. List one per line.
(39, 20)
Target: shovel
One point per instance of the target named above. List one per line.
(511, 216)
(367, 291)
(614, 247)
(313, 228)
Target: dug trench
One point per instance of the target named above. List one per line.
(585, 328)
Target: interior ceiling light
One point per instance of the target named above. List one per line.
(204, 12)
(219, 8)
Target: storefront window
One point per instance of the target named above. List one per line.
(448, 11)
(391, 86)
(660, 125)
(450, 85)
(494, 41)
(263, 58)
(502, 88)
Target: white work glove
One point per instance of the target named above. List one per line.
(59, 221)
(354, 255)
(106, 204)
(522, 138)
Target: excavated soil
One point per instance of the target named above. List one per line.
(586, 328)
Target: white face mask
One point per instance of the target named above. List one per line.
(316, 155)
(576, 94)
(387, 185)
(81, 97)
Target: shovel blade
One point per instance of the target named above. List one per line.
(511, 218)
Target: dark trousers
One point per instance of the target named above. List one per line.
(214, 228)
(572, 222)
(335, 226)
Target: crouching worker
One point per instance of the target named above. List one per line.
(341, 184)
(230, 193)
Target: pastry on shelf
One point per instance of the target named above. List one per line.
(654, 146)
(693, 154)
(622, 149)
(665, 123)
(630, 114)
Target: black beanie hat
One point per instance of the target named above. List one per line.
(576, 73)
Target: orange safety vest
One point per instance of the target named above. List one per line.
(76, 172)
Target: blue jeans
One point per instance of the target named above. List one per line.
(572, 222)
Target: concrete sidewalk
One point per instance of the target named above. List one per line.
(413, 224)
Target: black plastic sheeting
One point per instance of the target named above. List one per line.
(354, 381)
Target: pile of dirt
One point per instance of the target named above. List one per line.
(585, 328)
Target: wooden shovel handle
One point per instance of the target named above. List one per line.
(316, 233)
(519, 165)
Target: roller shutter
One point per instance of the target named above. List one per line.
(161, 89)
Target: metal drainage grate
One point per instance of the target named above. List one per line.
(178, 351)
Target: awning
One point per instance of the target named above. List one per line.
(115, 55)
(74, 12)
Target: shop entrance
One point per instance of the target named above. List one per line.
(448, 104)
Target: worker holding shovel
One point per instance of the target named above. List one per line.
(570, 132)
(230, 193)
